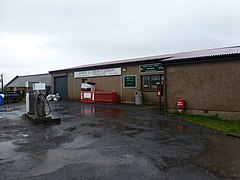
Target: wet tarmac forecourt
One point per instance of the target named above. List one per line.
(97, 141)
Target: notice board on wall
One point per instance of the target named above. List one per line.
(130, 81)
(151, 68)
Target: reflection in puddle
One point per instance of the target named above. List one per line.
(125, 122)
(181, 128)
(23, 135)
(68, 153)
(6, 150)
(56, 159)
(88, 111)
(133, 127)
(78, 143)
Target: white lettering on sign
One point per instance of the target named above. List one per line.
(87, 95)
(98, 72)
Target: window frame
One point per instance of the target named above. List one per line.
(161, 80)
(124, 83)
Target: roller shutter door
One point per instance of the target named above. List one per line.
(61, 87)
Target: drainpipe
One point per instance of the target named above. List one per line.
(121, 87)
(165, 89)
(74, 91)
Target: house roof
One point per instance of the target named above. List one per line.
(19, 81)
(167, 58)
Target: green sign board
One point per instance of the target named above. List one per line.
(129, 81)
(148, 68)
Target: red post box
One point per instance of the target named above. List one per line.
(160, 94)
(181, 103)
(160, 90)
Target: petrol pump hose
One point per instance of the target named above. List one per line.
(40, 106)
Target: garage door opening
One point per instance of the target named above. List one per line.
(61, 87)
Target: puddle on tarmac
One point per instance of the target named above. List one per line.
(123, 121)
(6, 151)
(88, 111)
(9, 109)
(11, 112)
(222, 156)
(78, 143)
(23, 135)
(68, 153)
(132, 126)
(56, 159)
(91, 124)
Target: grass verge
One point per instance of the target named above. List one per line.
(214, 122)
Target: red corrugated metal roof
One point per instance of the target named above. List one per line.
(167, 57)
(205, 53)
(118, 62)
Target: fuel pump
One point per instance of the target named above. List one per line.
(36, 103)
(37, 107)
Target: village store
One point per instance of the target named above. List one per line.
(123, 77)
(208, 80)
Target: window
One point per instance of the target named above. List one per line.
(149, 83)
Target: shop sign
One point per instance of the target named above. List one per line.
(129, 81)
(98, 72)
(151, 68)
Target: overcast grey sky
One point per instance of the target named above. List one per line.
(41, 35)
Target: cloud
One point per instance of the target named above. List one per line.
(37, 36)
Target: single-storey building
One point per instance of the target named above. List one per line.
(18, 83)
(208, 80)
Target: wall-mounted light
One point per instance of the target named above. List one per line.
(72, 74)
(124, 69)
